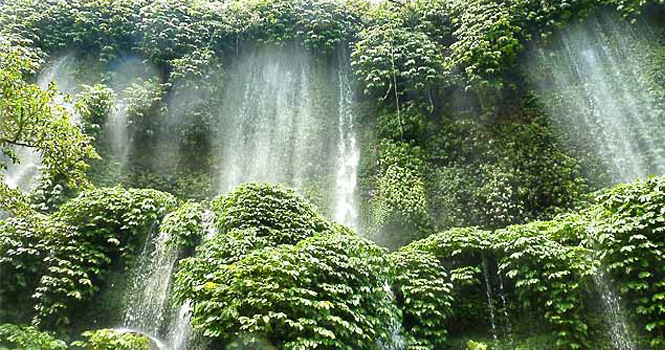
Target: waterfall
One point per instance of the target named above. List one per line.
(610, 302)
(287, 118)
(274, 126)
(596, 86)
(348, 154)
(181, 335)
(147, 304)
(506, 316)
(208, 223)
(118, 134)
(396, 338)
(619, 335)
(23, 175)
(490, 302)
(181, 332)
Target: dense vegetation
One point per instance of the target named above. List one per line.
(463, 178)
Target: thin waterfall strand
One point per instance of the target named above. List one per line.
(490, 302)
(348, 154)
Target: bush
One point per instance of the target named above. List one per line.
(13, 337)
(110, 339)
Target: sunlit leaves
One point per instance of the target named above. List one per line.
(278, 271)
(28, 338)
(29, 118)
(55, 262)
(109, 339)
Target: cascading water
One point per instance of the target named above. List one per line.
(490, 302)
(125, 73)
(118, 133)
(275, 126)
(595, 84)
(348, 154)
(181, 332)
(618, 332)
(397, 339)
(147, 304)
(506, 316)
(22, 175)
(181, 335)
(611, 307)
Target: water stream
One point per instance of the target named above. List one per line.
(288, 118)
(596, 85)
(348, 156)
(181, 335)
(490, 303)
(617, 324)
(147, 305)
(397, 341)
(506, 316)
(275, 124)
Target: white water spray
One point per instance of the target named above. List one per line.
(181, 335)
(118, 133)
(288, 119)
(490, 302)
(595, 85)
(618, 332)
(348, 154)
(273, 124)
(397, 341)
(147, 304)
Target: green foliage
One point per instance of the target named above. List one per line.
(276, 271)
(424, 296)
(629, 228)
(278, 214)
(400, 199)
(466, 172)
(110, 339)
(548, 264)
(472, 345)
(550, 276)
(487, 40)
(144, 99)
(60, 261)
(392, 61)
(13, 337)
(103, 26)
(500, 175)
(28, 118)
(94, 106)
(326, 291)
(184, 226)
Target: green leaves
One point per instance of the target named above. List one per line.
(59, 261)
(28, 338)
(424, 294)
(29, 118)
(278, 271)
(109, 339)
